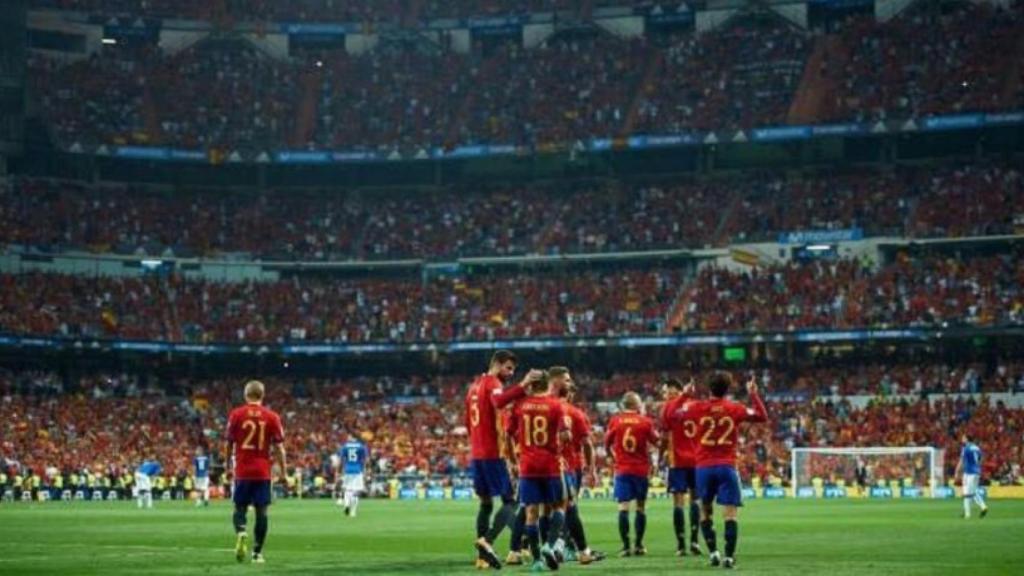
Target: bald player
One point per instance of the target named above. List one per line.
(253, 432)
(631, 437)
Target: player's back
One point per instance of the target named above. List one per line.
(579, 425)
(253, 429)
(149, 468)
(630, 436)
(202, 466)
(682, 434)
(481, 418)
(972, 458)
(354, 457)
(536, 422)
(717, 429)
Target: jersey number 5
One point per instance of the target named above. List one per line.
(474, 413)
(250, 427)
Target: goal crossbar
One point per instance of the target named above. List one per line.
(935, 465)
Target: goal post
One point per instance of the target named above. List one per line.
(896, 468)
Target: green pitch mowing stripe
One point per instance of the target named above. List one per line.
(830, 537)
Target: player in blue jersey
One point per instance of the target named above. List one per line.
(970, 465)
(352, 459)
(201, 464)
(144, 482)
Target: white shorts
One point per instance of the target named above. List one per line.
(202, 484)
(142, 482)
(970, 485)
(354, 483)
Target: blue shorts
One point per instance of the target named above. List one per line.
(682, 480)
(542, 490)
(490, 479)
(251, 493)
(628, 488)
(720, 481)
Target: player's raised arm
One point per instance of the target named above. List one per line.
(503, 398)
(757, 411)
(690, 389)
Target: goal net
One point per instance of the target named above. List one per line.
(824, 471)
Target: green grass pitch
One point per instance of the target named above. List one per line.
(313, 537)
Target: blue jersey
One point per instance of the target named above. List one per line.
(149, 468)
(353, 454)
(202, 465)
(971, 458)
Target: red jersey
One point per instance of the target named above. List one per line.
(253, 429)
(716, 424)
(629, 438)
(579, 427)
(681, 434)
(535, 424)
(483, 401)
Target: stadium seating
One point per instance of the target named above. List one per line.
(130, 416)
(568, 89)
(743, 75)
(945, 201)
(925, 62)
(574, 86)
(927, 291)
(391, 11)
(143, 96)
(580, 304)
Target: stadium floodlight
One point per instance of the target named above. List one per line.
(109, 41)
(905, 469)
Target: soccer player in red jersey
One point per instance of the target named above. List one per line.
(717, 429)
(484, 400)
(538, 426)
(577, 456)
(253, 430)
(680, 451)
(630, 438)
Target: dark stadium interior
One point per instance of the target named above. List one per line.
(358, 201)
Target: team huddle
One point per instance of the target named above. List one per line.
(534, 431)
(534, 427)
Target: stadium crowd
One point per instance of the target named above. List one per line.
(104, 425)
(367, 310)
(909, 292)
(916, 201)
(926, 62)
(845, 294)
(378, 11)
(569, 88)
(573, 86)
(742, 76)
